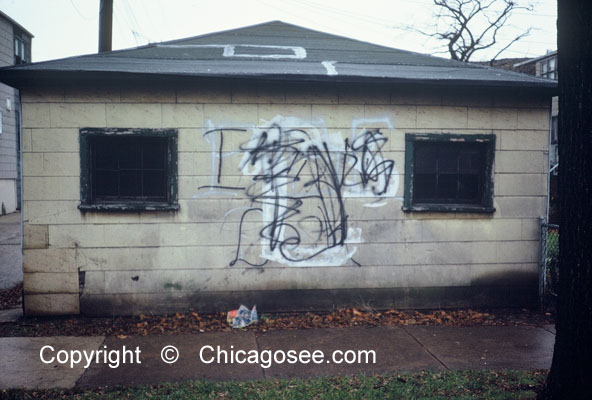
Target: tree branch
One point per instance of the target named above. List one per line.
(517, 38)
(463, 17)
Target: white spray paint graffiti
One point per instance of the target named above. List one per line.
(230, 50)
(300, 178)
(330, 67)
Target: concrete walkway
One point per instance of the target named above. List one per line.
(409, 348)
(11, 270)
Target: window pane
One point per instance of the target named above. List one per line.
(424, 186)
(105, 157)
(426, 158)
(554, 130)
(447, 187)
(130, 184)
(464, 162)
(468, 187)
(154, 184)
(105, 184)
(469, 161)
(154, 154)
(478, 160)
(447, 160)
(129, 152)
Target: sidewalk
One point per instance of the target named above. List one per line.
(409, 348)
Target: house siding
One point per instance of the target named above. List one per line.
(84, 262)
(8, 137)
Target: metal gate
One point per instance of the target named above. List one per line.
(549, 264)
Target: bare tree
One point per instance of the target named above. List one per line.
(468, 26)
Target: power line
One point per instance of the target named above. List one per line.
(79, 13)
(153, 27)
(125, 18)
(356, 16)
(530, 14)
(373, 26)
(129, 10)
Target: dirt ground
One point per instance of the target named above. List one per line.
(11, 297)
(194, 322)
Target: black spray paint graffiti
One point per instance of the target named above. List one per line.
(299, 179)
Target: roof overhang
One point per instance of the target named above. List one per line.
(276, 72)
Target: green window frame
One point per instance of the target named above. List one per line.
(447, 172)
(153, 187)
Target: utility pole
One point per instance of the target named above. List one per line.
(105, 25)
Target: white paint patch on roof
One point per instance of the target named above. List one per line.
(230, 50)
(330, 67)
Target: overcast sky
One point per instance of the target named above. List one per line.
(64, 28)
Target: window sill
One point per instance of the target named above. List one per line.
(128, 207)
(459, 208)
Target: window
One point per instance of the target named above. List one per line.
(548, 68)
(554, 130)
(22, 48)
(128, 169)
(449, 173)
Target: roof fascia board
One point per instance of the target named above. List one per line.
(24, 79)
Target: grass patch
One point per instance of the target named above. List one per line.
(423, 385)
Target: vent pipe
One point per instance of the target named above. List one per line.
(105, 25)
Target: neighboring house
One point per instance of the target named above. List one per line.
(15, 48)
(281, 166)
(511, 64)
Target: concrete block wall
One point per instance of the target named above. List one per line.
(131, 262)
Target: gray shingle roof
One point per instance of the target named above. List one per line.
(271, 51)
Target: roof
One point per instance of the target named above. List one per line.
(534, 60)
(13, 22)
(271, 51)
(512, 64)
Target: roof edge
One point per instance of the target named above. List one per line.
(21, 79)
(531, 60)
(12, 21)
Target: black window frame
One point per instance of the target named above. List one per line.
(88, 203)
(485, 205)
